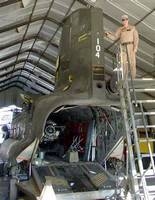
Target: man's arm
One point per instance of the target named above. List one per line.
(135, 40)
(114, 36)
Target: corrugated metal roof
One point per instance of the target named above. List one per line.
(30, 32)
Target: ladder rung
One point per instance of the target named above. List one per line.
(147, 155)
(147, 126)
(149, 175)
(143, 83)
(143, 90)
(144, 101)
(145, 140)
(143, 79)
(145, 113)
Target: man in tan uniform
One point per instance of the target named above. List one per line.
(129, 38)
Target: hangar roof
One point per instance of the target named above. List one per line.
(30, 32)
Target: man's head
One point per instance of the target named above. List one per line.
(125, 20)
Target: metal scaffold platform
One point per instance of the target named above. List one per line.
(142, 177)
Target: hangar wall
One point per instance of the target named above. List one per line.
(11, 96)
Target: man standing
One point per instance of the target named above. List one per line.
(128, 36)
